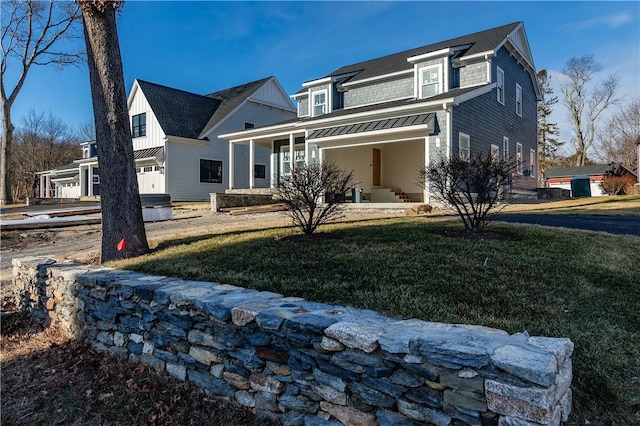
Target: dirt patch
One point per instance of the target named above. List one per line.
(20, 239)
(48, 378)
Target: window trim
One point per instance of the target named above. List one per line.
(312, 103)
(518, 100)
(519, 159)
(421, 72)
(213, 161)
(468, 138)
(500, 86)
(139, 130)
(505, 147)
(249, 125)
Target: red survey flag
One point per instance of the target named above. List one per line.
(122, 245)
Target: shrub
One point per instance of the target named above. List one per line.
(617, 185)
(304, 189)
(472, 188)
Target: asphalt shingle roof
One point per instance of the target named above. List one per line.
(479, 42)
(596, 169)
(189, 115)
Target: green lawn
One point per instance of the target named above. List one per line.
(581, 285)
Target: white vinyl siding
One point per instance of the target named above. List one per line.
(500, 85)
(154, 136)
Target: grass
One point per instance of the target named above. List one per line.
(580, 285)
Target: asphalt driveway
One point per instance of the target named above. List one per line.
(626, 225)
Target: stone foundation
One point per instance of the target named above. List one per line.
(225, 201)
(310, 363)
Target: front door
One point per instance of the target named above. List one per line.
(376, 167)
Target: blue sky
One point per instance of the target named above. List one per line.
(204, 46)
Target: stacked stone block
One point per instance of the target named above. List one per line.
(309, 363)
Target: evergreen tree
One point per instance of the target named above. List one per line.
(548, 142)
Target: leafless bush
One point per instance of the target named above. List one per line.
(304, 189)
(472, 188)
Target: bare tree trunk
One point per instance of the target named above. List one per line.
(121, 207)
(7, 141)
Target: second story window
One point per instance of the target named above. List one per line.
(500, 86)
(319, 103)
(430, 82)
(85, 151)
(518, 100)
(139, 125)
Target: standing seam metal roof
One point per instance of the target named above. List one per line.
(369, 126)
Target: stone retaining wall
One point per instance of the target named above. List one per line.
(225, 201)
(310, 363)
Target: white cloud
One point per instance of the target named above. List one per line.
(613, 20)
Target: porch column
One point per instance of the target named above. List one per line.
(90, 181)
(307, 154)
(82, 182)
(231, 168)
(273, 166)
(427, 160)
(292, 144)
(47, 186)
(41, 186)
(252, 162)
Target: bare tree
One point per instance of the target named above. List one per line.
(304, 189)
(32, 32)
(472, 188)
(120, 200)
(42, 142)
(585, 101)
(619, 136)
(548, 142)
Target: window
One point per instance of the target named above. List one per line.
(495, 151)
(210, 171)
(139, 125)
(85, 151)
(518, 100)
(138, 169)
(464, 143)
(147, 169)
(505, 147)
(96, 179)
(500, 87)
(430, 81)
(259, 171)
(519, 157)
(285, 158)
(319, 103)
(249, 125)
(532, 163)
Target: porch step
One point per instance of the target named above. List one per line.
(390, 195)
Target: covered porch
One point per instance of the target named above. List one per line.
(385, 155)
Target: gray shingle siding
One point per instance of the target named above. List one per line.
(486, 121)
(379, 92)
(303, 107)
(473, 74)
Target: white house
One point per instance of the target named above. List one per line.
(176, 145)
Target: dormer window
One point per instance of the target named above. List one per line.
(430, 81)
(85, 151)
(319, 103)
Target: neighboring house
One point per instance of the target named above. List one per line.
(386, 118)
(72, 180)
(175, 139)
(560, 177)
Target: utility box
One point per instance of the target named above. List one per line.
(580, 186)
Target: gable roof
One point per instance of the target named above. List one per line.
(479, 42)
(189, 115)
(230, 99)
